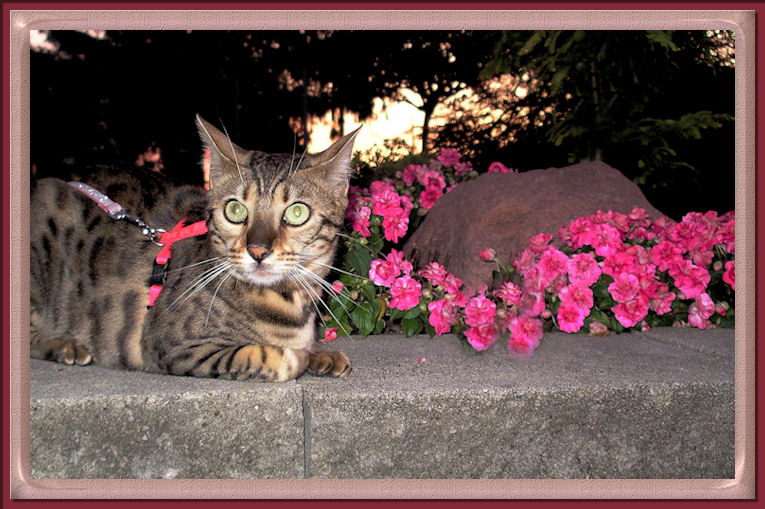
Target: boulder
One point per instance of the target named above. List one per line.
(504, 210)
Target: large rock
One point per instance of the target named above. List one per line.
(503, 211)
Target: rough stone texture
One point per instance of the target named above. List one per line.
(655, 405)
(617, 407)
(503, 211)
(92, 422)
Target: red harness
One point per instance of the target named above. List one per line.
(159, 273)
(180, 232)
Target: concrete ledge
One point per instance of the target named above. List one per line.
(651, 405)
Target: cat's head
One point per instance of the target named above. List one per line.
(276, 216)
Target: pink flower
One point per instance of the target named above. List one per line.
(488, 254)
(690, 279)
(729, 276)
(360, 220)
(640, 217)
(552, 263)
(434, 272)
(728, 236)
(598, 329)
(618, 263)
(429, 197)
(409, 175)
(397, 259)
(605, 239)
(480, 311)
(452, 284)
(406, 204)
(509, 293)
(570, 317)
(700, 311)
(662, 303)
(337, 287)
(379, 187)
(531, 304)
(583, 269)
(449, 157)
(482, 336)
(578, 231)
(442, 316)
(386, 203)
(330, 334)
(539, 242)
(405, 292)
(666, 255)
(578, 296)
(383, 272)
(624, 288)
(523, 261)
(631, 312)
(525, 334)
(434, 179)
(461, 169)
(395, 225)
(496, 167)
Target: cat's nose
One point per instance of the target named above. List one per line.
(258, 252)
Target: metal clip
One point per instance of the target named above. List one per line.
(154, 234)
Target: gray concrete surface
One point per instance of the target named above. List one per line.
(651, 405)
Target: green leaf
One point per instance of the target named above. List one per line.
(395, 314)
(369, 291)
(363, 319)
(360, 260)
(412, 313)
(411, 326)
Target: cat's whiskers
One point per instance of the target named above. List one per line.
(332, 267)
(327, 287)
(293, 278)
(292, 158)
(307, 286)
(231, 143)
(297, 166)
(201, 281)
(207, 320)
(195, 264)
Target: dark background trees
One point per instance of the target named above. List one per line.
(656, 105)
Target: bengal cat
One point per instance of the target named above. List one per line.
(239, 301)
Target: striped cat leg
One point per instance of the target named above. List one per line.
(56, 349)
(334, 363)
(242, 362)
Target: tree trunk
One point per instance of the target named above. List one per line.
(428, 109)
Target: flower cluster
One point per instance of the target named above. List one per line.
(604, 272)
(416, 188)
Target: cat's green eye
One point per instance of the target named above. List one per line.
(296, 214)
(235, 211)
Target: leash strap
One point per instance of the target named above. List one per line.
(116, 211)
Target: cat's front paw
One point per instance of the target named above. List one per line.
(335, 364)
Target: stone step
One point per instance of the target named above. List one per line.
(650, 405)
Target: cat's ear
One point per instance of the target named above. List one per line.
(225, 156)
(335, 162)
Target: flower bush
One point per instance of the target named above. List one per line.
(604, 272)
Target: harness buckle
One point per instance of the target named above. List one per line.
(158, 274)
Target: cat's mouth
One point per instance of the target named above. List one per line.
(260, 275)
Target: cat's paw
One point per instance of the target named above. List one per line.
(66, 352)
(335, 364)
